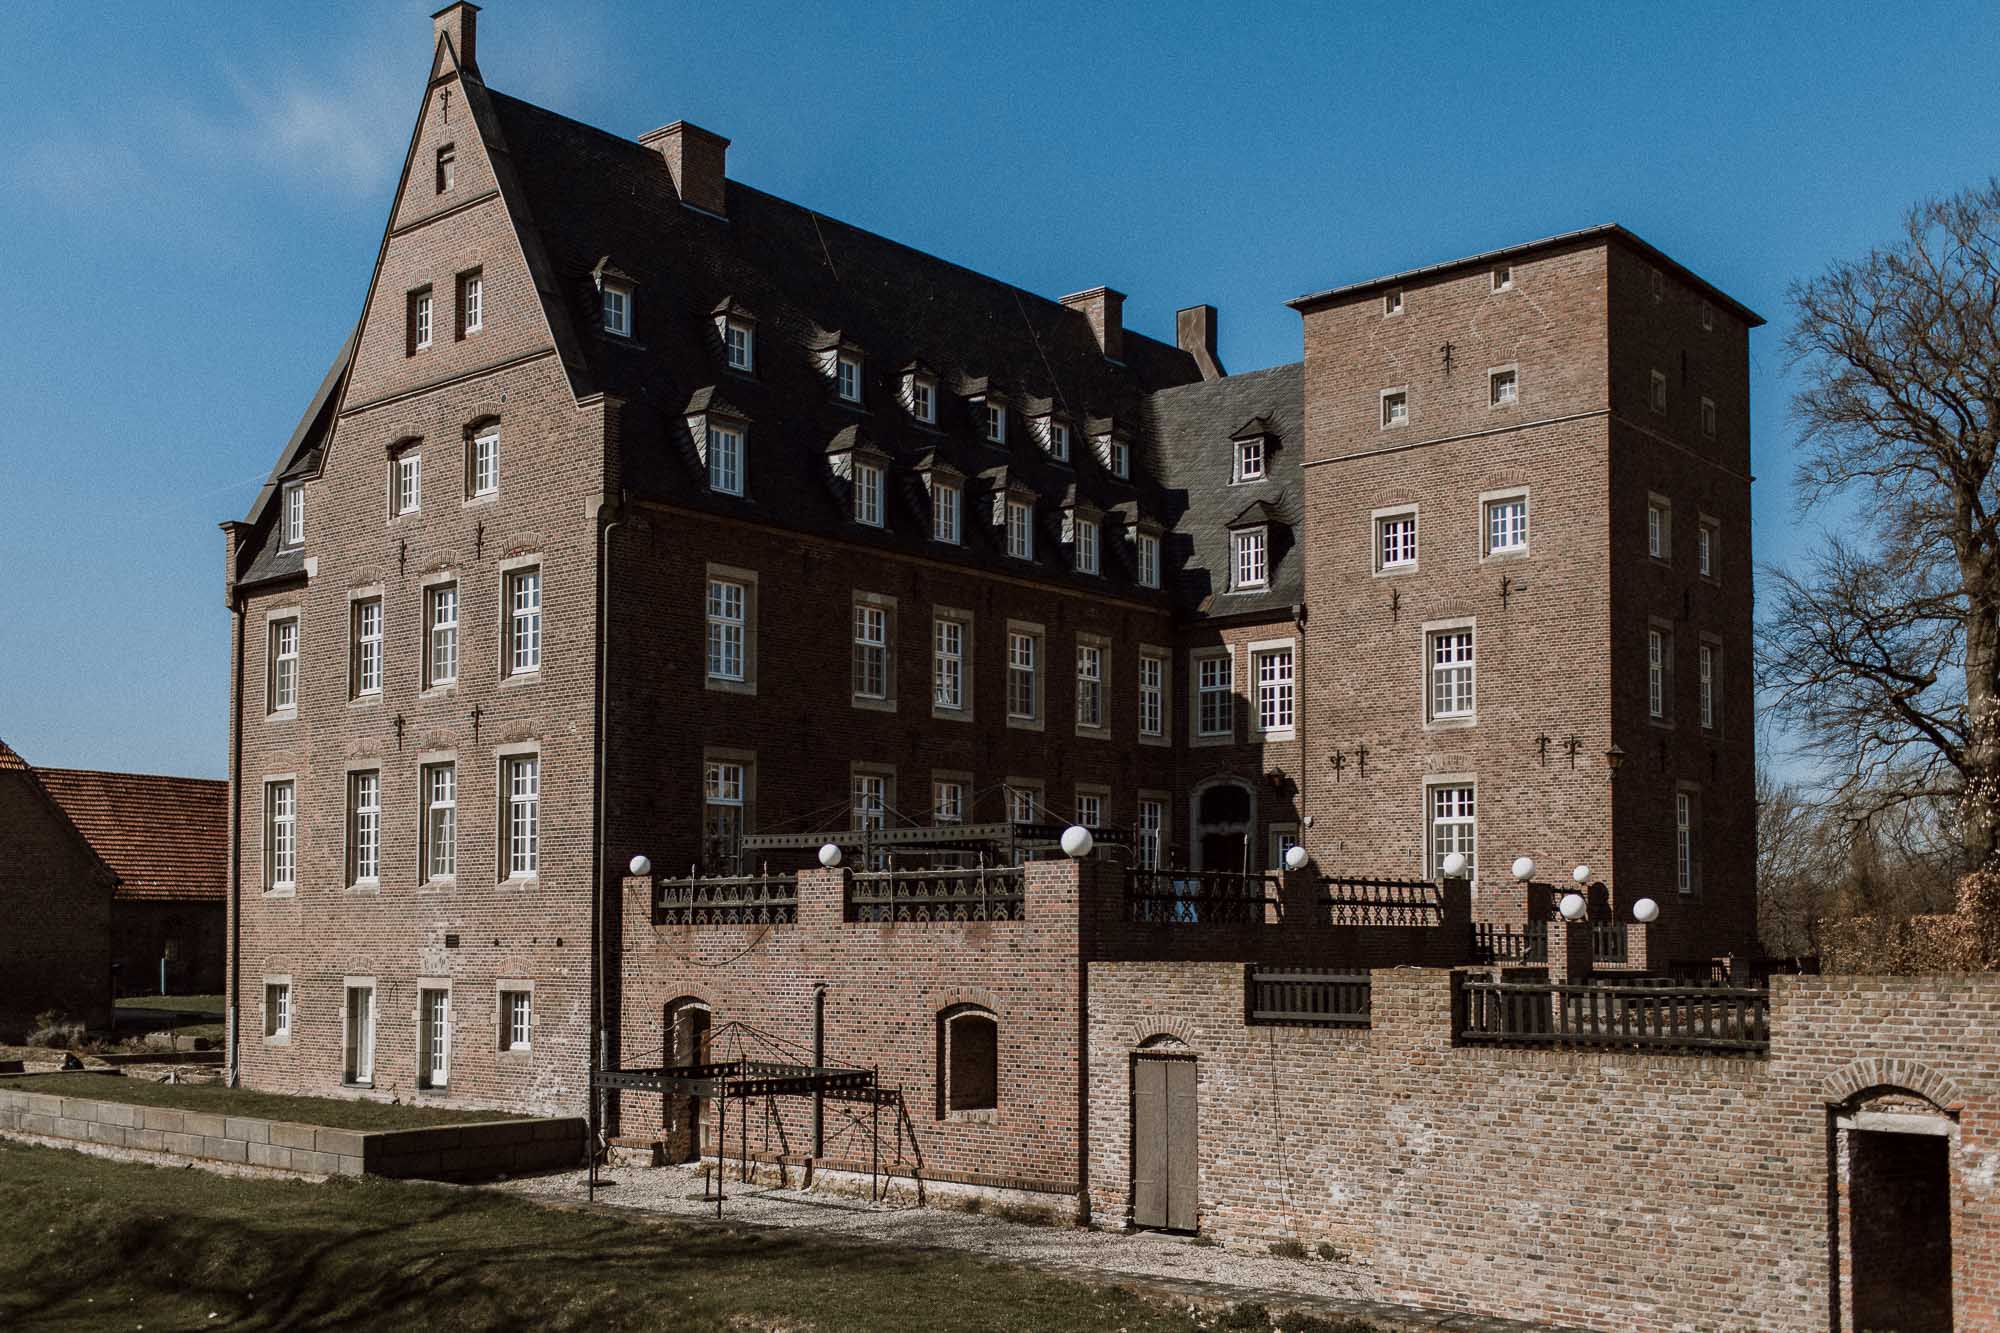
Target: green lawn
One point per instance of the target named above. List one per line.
(87, 1243)
(331, 1112)
(187, 1004)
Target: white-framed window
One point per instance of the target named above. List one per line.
(728, 606)
(517, 1020)
(1706, 665)
(618, 309)
(1090, 686)
(1215, 701)
(923, 400)
(1284, 837)
(1392, 302)
(1503, 277)
(277, 1010)
(1152, 695)
(284, 664)
(1148, 547)
(1024, 803)
(471, 302)
(739, 345)
(294, 529)
(1396, 540)
(1152, 833)
(1120, 453)
(1250, 549)
(420, 319)
(1020, 529)
(1023, 675)
(1686, 872)
(1454, 826)
(524, 621)
(1273, 669)
(724, 800)
(441, 642)
(1659, 529)
(440, 851)
(725, 458)
(1395, 408)
(433, 1037)
(281, 846)
(1708, 417)
(871, 651)
(947, 801)
(868, 493)
(995, 421)
(522, 818)
(1659, 667)
(1706, 537)
(1090, 809)
(1059, 441)
(409, 483)
(1086, 545)
(1452, 669)
(847, 377)
(1507, 525)
(871, 810)
(947, 511)
(483, 465)
(447, 168)
(367, 677)
(948, 663)
(1250, 459)
(358, 1064)
(364, 828)
(1503, 387)
(1657, 397)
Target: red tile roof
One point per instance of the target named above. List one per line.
(165, 837)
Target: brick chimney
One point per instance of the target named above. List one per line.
(460, 22)
(1194, 330)
(695, 160)
(1105, 309)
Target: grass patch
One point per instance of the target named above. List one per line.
(331, 1112)
(175, 1004)
(89, 1243)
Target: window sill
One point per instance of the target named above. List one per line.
(518, 679)
(1390, 571)
(1093, 733)
(721, 685)
(282, 1039)
(290, 891)
(366, 888)
(942, 714)
(367, 1083)
(479, 501)
(1450, 723)
(444, 884)
(424, 1090)
(1512, 553)
(1026, 723)
(1275, 735)
(988, 1115)
(1208, 742)
(1660, 723)
(506, 1053)
(873, 705)
(443, 689)
(521, 881)
(372, 699)
(282, 715)
(1154, 740)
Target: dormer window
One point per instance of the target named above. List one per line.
(1121, 459)
(994, 421)
(868, 493)
(739, 345)
(1250, 459)
(1059, 441)
(947, 510)
(618, 309)
(1249, 548)
(725, 457)
(447, 168)
(847, 377)
(294, 529)
(1086, 545)
(923, 399)
(1149, 560)
(1021, 529)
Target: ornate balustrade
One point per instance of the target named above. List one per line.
(1383, 902)
(728, 900)
(990, 893)
(1198, 897)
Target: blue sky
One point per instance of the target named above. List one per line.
(194, 195)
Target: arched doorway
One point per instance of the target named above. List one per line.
(1892, 1187)
(1224, 824)
(1166, 1156)
(683, 1041)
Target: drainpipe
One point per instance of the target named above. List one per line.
(600, 1033)
(819, 1062)
(235, 1077)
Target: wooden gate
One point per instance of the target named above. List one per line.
(1165, 1165)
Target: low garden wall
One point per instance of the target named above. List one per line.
(441, 1152)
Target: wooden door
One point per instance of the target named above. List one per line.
(1165, 1165)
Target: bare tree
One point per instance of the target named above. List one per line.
(1884, 652)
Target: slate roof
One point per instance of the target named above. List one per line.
(164, 837)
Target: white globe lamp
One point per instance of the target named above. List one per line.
(1571, 906)
(1581, 874)
(1454, 865)
(1295, 857)
(1645, 911)
(1077, 842)
(642, 865)
(1524, 868)
(829, 855)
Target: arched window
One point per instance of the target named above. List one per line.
(968, 1059)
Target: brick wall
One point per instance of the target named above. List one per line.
(1613, 1191)
(55, 913)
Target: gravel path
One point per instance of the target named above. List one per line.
(1144, 1258)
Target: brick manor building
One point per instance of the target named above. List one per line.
(644, 510)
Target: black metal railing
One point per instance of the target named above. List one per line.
(1686, 1020)
(728, 900)
(1307, 997)
(1608, 943)
(1198, 897)
(1383, 902)
(1504, 944)
(985, 893)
